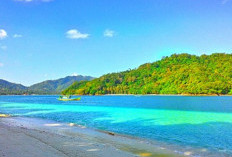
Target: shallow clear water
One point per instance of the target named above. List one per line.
(201, 122)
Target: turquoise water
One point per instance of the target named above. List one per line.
(201, 122)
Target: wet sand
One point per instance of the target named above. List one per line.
(28, 137)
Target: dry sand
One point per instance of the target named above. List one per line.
(23, 137)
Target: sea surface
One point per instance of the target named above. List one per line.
(198, 122)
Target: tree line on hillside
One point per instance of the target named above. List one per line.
(43, 88)
(177, 74)
(22, 92)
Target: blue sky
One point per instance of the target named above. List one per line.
(49, 39)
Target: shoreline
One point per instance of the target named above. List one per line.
(4, 115)
(78, 140)
(97, 143)
(126, 95)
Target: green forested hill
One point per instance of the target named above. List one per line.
(45, 87)
(177, 74)
(56, 86)
(11, 88)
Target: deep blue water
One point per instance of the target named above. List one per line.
(201, 122)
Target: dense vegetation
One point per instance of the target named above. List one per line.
(56, 86)
(177, 74)
(46, 87)
(11, 88)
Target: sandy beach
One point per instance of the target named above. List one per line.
(26, 137)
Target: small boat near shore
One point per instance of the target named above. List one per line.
(68, 98)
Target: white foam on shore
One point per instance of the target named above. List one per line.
(119, 142)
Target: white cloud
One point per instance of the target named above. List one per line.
(17, 36)
(74, 74)
(3, 34)
(75, 34)
(34, 0)
(1, 64)
(109, 33)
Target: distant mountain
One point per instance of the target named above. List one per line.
(45, 87)
(56, 86)
(177, 74)
(11, 88)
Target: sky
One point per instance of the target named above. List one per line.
(50, 39)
